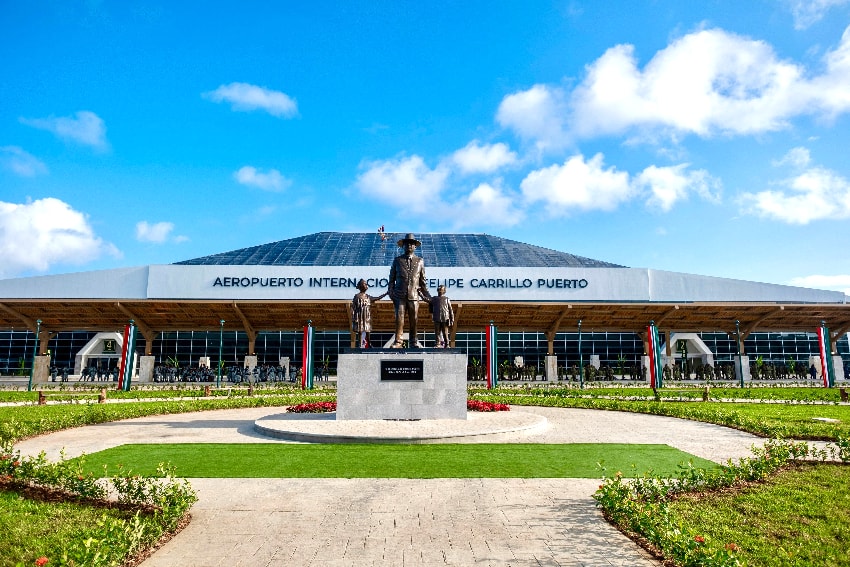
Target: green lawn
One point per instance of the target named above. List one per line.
(780, 420)
(281, 460)
(800, 517)
(30, 529)
(785, 511)
(21, 422)
(694, 391)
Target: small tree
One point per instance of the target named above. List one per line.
(621, 365)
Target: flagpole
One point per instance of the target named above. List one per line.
(34, 353)
(131, 356)
(740, 356)
(580, 359)
(220, 348)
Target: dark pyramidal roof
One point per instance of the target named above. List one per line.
(371, 249)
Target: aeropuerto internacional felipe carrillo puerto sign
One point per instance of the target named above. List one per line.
(312, 283)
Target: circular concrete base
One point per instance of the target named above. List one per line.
(324, 428)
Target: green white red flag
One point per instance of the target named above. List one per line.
(654, 355)
(827, 369)
(128, 351)
(307, 358)
(491, 368)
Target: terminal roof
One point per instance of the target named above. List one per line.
(375, 249)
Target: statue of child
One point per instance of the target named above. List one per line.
(443, 315)
(361, 313)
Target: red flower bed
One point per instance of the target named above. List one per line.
(313, 407)
(478, 405)
(324, 407)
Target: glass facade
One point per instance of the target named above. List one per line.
(184, 348)
(613, 349)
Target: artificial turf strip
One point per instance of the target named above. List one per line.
(279, 460)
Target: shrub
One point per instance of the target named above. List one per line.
(640, 506)
(161, 503)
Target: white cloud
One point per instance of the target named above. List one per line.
(84, 127)
(808, 12)
(487, 205)
(536, 114)
(405, 182)
(21, 162)
(578, 184)
(37, 235)
(830, 92)
(796, 157)
(475, 158)
(270, 181)
(156, 232)
(668, 185)
(705, 83)
(815, 281)
(413, 188)
(247, 97)
(815, 194)
(410, 186)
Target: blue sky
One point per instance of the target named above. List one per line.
(700, 137)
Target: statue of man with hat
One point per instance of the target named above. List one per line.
(407, 279)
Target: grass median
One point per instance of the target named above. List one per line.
(286, 460)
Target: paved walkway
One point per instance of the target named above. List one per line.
(400, 522)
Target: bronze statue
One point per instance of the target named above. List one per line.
(361, 314)
(443, 316)
(407, 281)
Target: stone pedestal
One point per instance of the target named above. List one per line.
(742, 364)
(815, 361)
(146, 364)
(41, 369)
(551, 374)
(838, 366)
(401, 385)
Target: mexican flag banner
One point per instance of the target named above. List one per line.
(307, 358)
(827, 370)
(654, 352)
(491, 367)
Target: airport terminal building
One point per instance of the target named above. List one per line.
(251, 305)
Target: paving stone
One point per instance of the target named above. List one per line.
(401, 522)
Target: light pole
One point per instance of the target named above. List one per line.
(580, 359)
(220, 347)
(34, 353)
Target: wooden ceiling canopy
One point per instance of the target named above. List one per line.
(256, 316)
